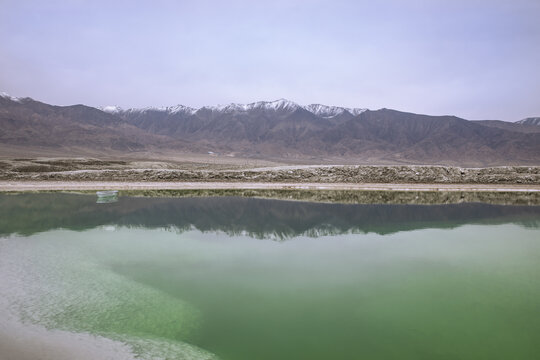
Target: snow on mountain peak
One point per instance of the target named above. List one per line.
(12, 98)
(324, 110)
(227, 108)
(530, 121)
(356, 111)
(178, 109)
(331, 111)
(281, 104)
(111, 109)
(276, 105)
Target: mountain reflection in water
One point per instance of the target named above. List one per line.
(261, 218)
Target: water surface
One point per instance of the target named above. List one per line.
(244, 278)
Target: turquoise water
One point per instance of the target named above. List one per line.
(236, 278)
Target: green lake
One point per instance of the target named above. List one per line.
(242, 278)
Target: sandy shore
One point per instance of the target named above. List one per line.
(162, 185)
(20, 342)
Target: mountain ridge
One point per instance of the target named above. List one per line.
(530, 121)
(276, 105)
(279, 129)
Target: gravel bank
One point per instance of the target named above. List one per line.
(301, 174)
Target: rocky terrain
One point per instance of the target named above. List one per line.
(114, 170)
(31, 124)
(359, 197)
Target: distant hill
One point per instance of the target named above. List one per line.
(277, 129)
(518, 126)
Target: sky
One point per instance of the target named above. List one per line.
(477, 59)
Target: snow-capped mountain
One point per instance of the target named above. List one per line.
(530, 121)
(277, 105)
(111, 109)
(9, 97)
(271, 129)
(331, 111)
(281, 105)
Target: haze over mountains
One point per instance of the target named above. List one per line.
(272, 129)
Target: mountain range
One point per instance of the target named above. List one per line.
(278, 129)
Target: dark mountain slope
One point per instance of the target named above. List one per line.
(387, 135)
(511, 126)
(445, 138)
(26, 122)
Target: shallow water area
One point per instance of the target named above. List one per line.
(248, 278)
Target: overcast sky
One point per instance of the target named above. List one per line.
(478, 59)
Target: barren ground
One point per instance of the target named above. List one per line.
(222, 172)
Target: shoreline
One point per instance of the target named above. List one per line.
(25, 340)
(17, 186)
(29, 342)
